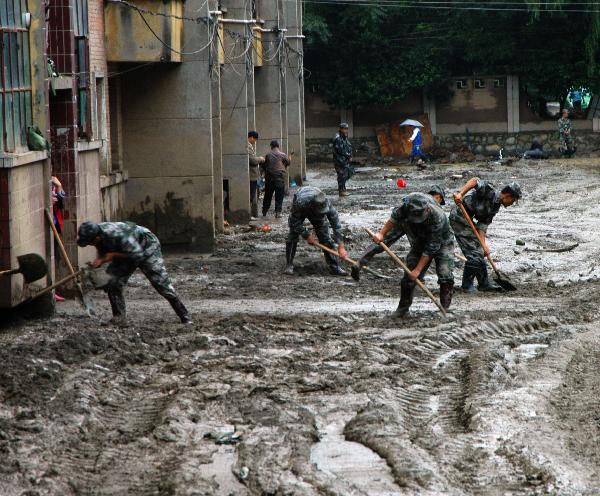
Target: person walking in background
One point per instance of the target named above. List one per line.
(567, 146)
(274, 168)
(417, 141)
(254, 169)
(342, 156)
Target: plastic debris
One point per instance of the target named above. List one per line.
(224, 437)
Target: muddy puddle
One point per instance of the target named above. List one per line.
(329, 396)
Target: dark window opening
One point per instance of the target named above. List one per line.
(479, 84)
(461, 84)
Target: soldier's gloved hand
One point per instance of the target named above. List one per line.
(457, 197)
(413, 275)
(311, 240)
(378, 238)
(486, 249)
(342, 251)
(99, 262)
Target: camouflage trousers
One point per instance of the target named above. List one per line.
(468, 242)
(344, 172)
(567, 144)
(321, 231)
(153, 268)
(444, 263)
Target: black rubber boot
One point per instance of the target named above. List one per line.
(446, 289)
(334, 266)
(364, 260)
(117, 305)
(483, 280)
(290, 253)
(407, 291)
(180, 310)
(469, 274)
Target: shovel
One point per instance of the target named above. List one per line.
(396, 259)
(502, 279)
(31, 265)
(351, 262)
(84, 300)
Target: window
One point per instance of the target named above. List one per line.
(15, 79)
(498, 83)
(80, 27)
(479, 84)
(461, 84)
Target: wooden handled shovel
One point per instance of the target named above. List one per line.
(502, 279)
(350, 261)
(85, 301)
(396, 259)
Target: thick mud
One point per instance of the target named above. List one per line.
(327, 396)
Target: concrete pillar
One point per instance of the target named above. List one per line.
(294, 84)
(234, 108)
(512, 104)
(217, 151)
(429, 108)
(270, 80)
(168, 141)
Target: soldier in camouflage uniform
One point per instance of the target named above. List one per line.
(482, 203)
(567, 146)
(342, 155)
(431, 238)
(312, 204)
(436, 192)
(127, 246)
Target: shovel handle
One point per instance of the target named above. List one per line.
(396, 259)
(334, 253)
(476, 232)
(9, 272)
(53, 286)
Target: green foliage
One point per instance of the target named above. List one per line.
(359, 55)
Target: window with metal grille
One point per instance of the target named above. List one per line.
(80, 27)
(15, 79)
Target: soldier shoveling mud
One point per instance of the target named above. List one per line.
(482, 202)
(431, 238)
(127, 247)
(436, 192)
(312, 204)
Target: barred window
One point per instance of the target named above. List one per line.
(15, 80)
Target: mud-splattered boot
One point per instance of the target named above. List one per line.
(290, 253)
(407, 291)
(335, 268)
(483, 281)
(181, 311)
(469, 274)
(117, 305)
(446, 289)
(364, 261)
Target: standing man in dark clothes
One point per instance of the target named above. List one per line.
(342, 156)
(312, 204)
(254, 169)
(274, 167)
(125, 246)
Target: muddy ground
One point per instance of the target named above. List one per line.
(328, 396)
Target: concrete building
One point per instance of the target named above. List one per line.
(186, 96)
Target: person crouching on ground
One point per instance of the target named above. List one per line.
(312, 204)
(127, 247)
(482, 202)
(431, 238)
(274, 167)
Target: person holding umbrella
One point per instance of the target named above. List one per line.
(417, 141)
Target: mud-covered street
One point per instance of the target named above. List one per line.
(325, 394)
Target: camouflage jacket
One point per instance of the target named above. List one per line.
(137, 242)
(424, 222)
(564, 126)
(342, 150)
(482, 204)
(302, 209)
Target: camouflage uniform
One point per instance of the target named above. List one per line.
(342, 155)
(310, 203)
(143, 251)
(429, 233)
(566, 139)
(482, 204)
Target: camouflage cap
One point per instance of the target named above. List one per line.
(513, 189)
(320, 203)
(344, 125)
(87, 232)
(437, 190)
(416, 207)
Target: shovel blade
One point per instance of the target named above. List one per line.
(32, 266)
(355, 273)
(504, 282)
